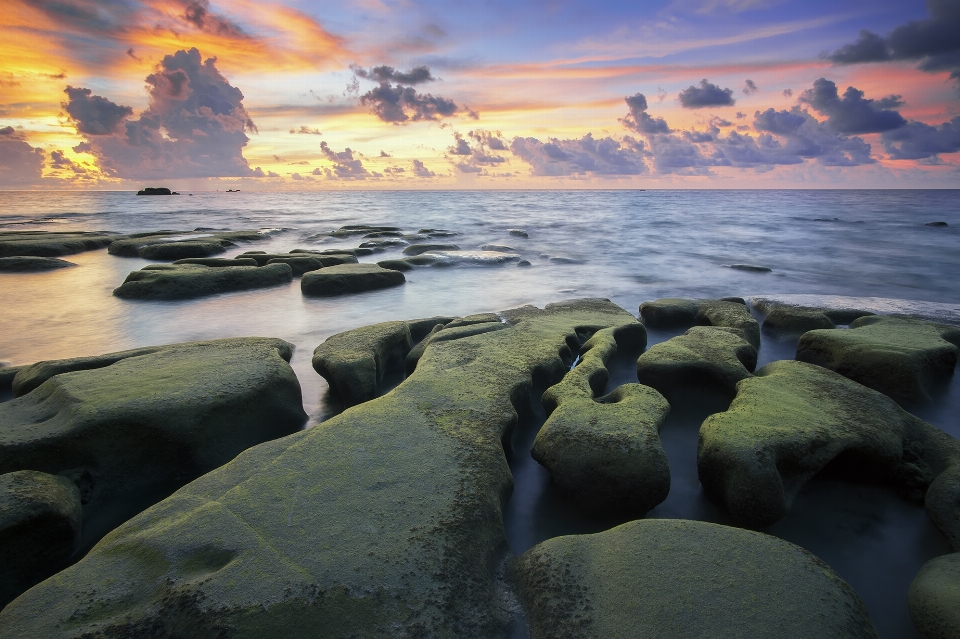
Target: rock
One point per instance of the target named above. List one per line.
(218, 261)
(703, 356)
(132, 431)
(53, 244)
(730, 315)
(837, 316)
(934, 598)
(941, 224)
(795, 320)
(523, 263)
(356, 252)
(301, 265)
(382, 244)
(181, 250)
(376, 234)
(670, 312)
(349, 278)
(152, 190)
(39, 529)
(7, 375)
(604, 453)
(450, 331)
(323, 259)
(184, 281)
(27, 264)
(417, 249)
(130, 245)
(497, 247)
(360, 229)
(751, 268)
(437, 232)
(32, 376)
(794, 419)
(396, 265)
(518, 233)
(903, 358)
(384, 520)
(664, 578)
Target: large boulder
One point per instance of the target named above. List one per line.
(728, 312)
(703, 356)
(605, 452)
(30, 264)
(53, 244)
(133, 430)
(184, 281)
(934, 598)
(39, 528)
(666, 579)
(349, 278)
(791, 420)
(383, 521)
(903, 358)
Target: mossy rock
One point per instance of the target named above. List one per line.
(361, 229)
(293, 258)
(396, 265)
(934, 598)
(837, 316)
(703, 356)
(604, 452)
(382, 521)
(39, 529)
(730, 315)
(349, 278)
(130, 245)
(417, 249)
(30, 377)
(729, 312)
(217, 261)
(133, 430)
(900, 357)
(184, 281)
(670, 312)
(666, 579)
(53, 244)
(30, 264)
(450, 331)
(791, 420)
(795, 320)
(181, 250)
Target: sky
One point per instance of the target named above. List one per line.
(463, 94)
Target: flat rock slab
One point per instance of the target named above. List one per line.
(677, 579)
(184, 281)
(349, 278)
(384, 520)
(217, 261)
(322, 259)
(703, 356)
(39, 528)
(181, 250)
(127, 425)
(605, 452)
(902, 358)
(174, 245)
(305, 264)
(417, 249)
(53, 244)
(728, 312)
(30, 264)
(792, 419)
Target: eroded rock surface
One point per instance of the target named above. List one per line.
(184, 281)
(349, 278)
(667, 579)
(900, 357)
(728, 312)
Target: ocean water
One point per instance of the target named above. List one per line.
(627, 246)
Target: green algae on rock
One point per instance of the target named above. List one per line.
(150, 421)
(217, 261)
(704, 355)
(795, 320)
(184, 249)
(39, 528)
(604, 452)
(385, 520)
(417, 249)
(900, 357)
(729, 312)
(349, 278)
(31, 264)
(184, 281)
(792, 419)
(292, 257)
(53, 244)
(934, 598)
(676, 579)
(31, 376)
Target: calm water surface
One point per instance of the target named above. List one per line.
(628, 246)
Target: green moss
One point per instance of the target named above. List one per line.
(185, 281)
(900, 357)
(669, 312)
(728, 312)
(795, 320)
(675, 578)
(349, 278)
(384, 520)
(30, 377)
(47, 244)
(30, 264)
(183, 249)
(934, 598)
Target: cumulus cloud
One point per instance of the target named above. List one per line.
(397, 103)
(345, 165)
(705, 95)
(852, 113)
(919, 141)
(749, 87)
(586, 156)
(20, 163)
(492, 140)
(59, 161)
(197, 13)
(385, 75)
(639, 120)
(807, 138)
(479, 156)
(195, 124)
(422, 171)
(933, 42)
(788, 93)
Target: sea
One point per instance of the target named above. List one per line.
(870, 248)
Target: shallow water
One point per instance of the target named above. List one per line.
(626, 246)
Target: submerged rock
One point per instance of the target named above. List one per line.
(361, 229)
(218, 261)
(384, 520)
(323, 259)
(157, 245)
(28, 264)
(605, 452)
(703, 356)
(934, 598)
(792, 420)
(751, 268)
(396, 265)
(417, 249)
(53, 244)
(903, 358)
(184, 281)
(349, 278)
(518, 233)
(154, 419)
(679, 579)
(301, 265)
(940, 224)
(39, 529)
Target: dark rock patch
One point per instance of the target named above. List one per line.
(184, 281)
(349, 278)
(31, 264)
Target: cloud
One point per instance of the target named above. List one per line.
(788, 93)
(639, 120)
(586, 156)
(345, 165)
(749, 87)
(492, 140)
(807, 138)
(385, 75)
(59, 161)
(306, 130)
(197, 13)
(705, 95)
(195, 124)
(20, 163)
(852, 113)
(918, 141)
(461, 147)
(934, 42)
(397, 103)
(422, 171)
(384, 154)
(479, 156)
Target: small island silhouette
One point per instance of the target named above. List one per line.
(153, 190)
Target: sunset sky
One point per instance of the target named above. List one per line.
(311, 94)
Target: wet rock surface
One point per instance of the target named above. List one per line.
(934, 598)
(679, 579)
(30, 264)
(53, 244)
(349, 278)
(730, 313)
(184, 281)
